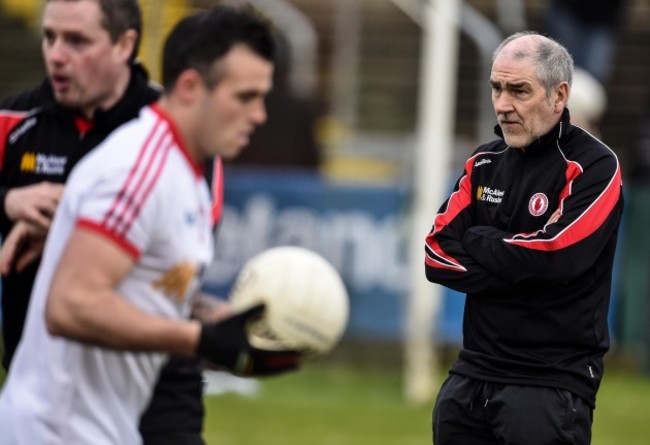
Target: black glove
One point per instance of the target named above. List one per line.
(226, 344)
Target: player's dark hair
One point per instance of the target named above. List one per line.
(118, 16)
(200, 40)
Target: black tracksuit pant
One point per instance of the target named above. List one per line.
(475, 412)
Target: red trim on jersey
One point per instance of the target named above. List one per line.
(198, 168)
(121, 197)
(458, 201)
(137, 206)
(587, 223)
(103, 230)
(83, 125)
(133, 200)
(133, 195)
(217, 191)
(8, 121)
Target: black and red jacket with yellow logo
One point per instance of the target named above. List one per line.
(42, 141)
(538, 288)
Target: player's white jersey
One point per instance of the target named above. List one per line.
(140, 189)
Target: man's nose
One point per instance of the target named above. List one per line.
(56, 52)
(502, 103)
(258, 115)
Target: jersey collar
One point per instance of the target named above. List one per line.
(178, 139)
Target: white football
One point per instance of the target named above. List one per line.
(306, 301)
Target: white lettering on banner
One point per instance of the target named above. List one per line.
(368, 251)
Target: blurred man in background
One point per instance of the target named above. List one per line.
(93, 86)
(529, 233)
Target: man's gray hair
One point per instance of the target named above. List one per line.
(553, 62)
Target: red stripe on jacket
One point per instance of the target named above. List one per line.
(458, 201)
(8, 121)
(587, 223)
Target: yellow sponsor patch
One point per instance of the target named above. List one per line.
(28, 162)
(176, 281)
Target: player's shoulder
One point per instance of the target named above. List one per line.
(121, 148)
(144, 135)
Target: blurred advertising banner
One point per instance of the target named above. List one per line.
(361, 229)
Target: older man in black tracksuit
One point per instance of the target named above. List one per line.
(529, 233)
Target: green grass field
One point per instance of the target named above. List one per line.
(334, 405)
(338, 404)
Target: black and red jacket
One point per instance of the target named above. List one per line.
(538, 292)
(41, 141)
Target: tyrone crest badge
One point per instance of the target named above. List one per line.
(538, 204)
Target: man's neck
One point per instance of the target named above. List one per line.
(117, 93)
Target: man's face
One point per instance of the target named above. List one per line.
(82, 62)
(234, 107)
(524, 111)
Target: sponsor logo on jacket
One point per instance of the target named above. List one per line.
(21, 129)
(41, 163)
(482, 161)
(489, 194)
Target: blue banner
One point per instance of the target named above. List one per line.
(362, 230)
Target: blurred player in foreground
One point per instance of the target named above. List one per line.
(128, 245)
(94, 84)
(529, 233)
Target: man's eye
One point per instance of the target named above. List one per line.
(48, 37)
(247, 97)
(77, 40)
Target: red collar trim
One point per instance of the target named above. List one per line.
(83, 125)
(198, 168)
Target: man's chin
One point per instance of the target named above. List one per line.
(230, 154)
(516, 142)
(66, 101)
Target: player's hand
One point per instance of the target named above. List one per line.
(226, 344)
(210, 309)
(23, 245)
(35, 204)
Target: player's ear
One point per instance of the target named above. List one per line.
(189, 85)
(126, 44)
